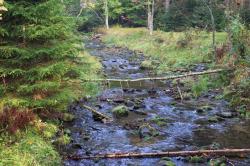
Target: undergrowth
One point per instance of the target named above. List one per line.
(26, 140)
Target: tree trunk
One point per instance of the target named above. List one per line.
(106, 14)
(151, 17)
(213, 27)
(167, 4)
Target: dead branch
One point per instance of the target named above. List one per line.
(158, 78)
(96, 112)
(179, 90)
(222, 152)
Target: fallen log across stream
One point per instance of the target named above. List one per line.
(222, 152)
(158, 78)
(96, 112)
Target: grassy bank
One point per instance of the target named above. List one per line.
(27, 148)
(174, 50)
(34, 143)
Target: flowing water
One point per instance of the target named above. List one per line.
(179, 125)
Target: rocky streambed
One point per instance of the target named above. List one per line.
(149, 118)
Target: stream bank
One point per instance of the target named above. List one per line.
(155, 120)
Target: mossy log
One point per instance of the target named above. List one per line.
(222, 152)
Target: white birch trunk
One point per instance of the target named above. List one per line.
(151, 17)
(167, 4)
(106, 14)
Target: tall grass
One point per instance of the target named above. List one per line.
(27, 148)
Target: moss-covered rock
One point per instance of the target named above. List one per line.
(166, 161)
(146, 131)
(214, 119)
(120, 111)
(196, 159)
(67, 117)
(160, 121)
(147, 65)
(207, 108)
(222, 161)
(204, 109)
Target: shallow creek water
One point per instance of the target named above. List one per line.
(181, 126)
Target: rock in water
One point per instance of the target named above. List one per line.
(147, 131)
(67, 117)
(215, 119)
(204, 109)
(165, 161)
(97, 117)
(146, 65)
(120, 111)
(225, 114)
(130, 103)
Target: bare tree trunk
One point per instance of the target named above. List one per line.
(228, 30)
(106, 14)
(151, 16)
(167, 4)
(213, 27)
(241, 3)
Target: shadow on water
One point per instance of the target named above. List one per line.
(175, 125)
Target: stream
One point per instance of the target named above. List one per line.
(156, 122)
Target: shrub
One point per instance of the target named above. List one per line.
(12, 120)
(200, 87)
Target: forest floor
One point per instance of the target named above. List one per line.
(149, 116)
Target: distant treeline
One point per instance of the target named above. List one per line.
(170, 15)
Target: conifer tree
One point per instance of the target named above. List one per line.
(37, 48)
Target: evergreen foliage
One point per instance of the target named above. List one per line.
(37, 47)
(191, 13)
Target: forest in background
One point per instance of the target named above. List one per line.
(43, 60)
(168, 15)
